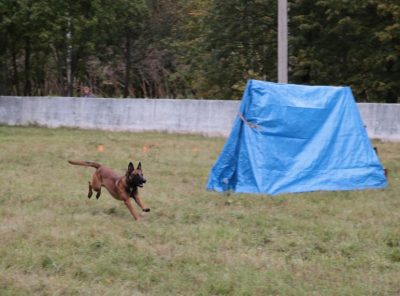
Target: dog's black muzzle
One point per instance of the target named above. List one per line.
(141, 184)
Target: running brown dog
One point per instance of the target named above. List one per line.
(120, 187)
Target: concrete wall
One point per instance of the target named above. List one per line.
(381, 120)
(207, 117)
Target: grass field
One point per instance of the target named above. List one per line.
(55, 241)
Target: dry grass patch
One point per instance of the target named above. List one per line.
(55, 241)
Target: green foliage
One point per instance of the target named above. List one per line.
(240, 38)
(348, 43)
(196, 49)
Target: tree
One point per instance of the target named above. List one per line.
(195, 48)
(240, 37)
(347, 43)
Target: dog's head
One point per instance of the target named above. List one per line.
(134, 177)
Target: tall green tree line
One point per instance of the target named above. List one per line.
(195, 49)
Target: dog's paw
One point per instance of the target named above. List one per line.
(146, 210)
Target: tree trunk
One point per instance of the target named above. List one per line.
(15, 80)
(69, 57)
(27, 72)
(69, 71)
(60, 72)
(3, 78)
(128, 64)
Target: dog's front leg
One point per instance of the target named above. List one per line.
(130, 208)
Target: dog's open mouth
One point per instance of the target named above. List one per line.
(141, 184)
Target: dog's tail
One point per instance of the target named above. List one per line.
(85, 163)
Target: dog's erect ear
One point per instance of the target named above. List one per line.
(131, 168)
(139, 166)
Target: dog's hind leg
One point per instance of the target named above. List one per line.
(91, 188)
(90, 193)
(96, 185)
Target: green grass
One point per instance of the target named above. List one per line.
(55, 241)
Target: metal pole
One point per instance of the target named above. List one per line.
(282, 42)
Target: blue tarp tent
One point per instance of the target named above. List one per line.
(296, 138)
